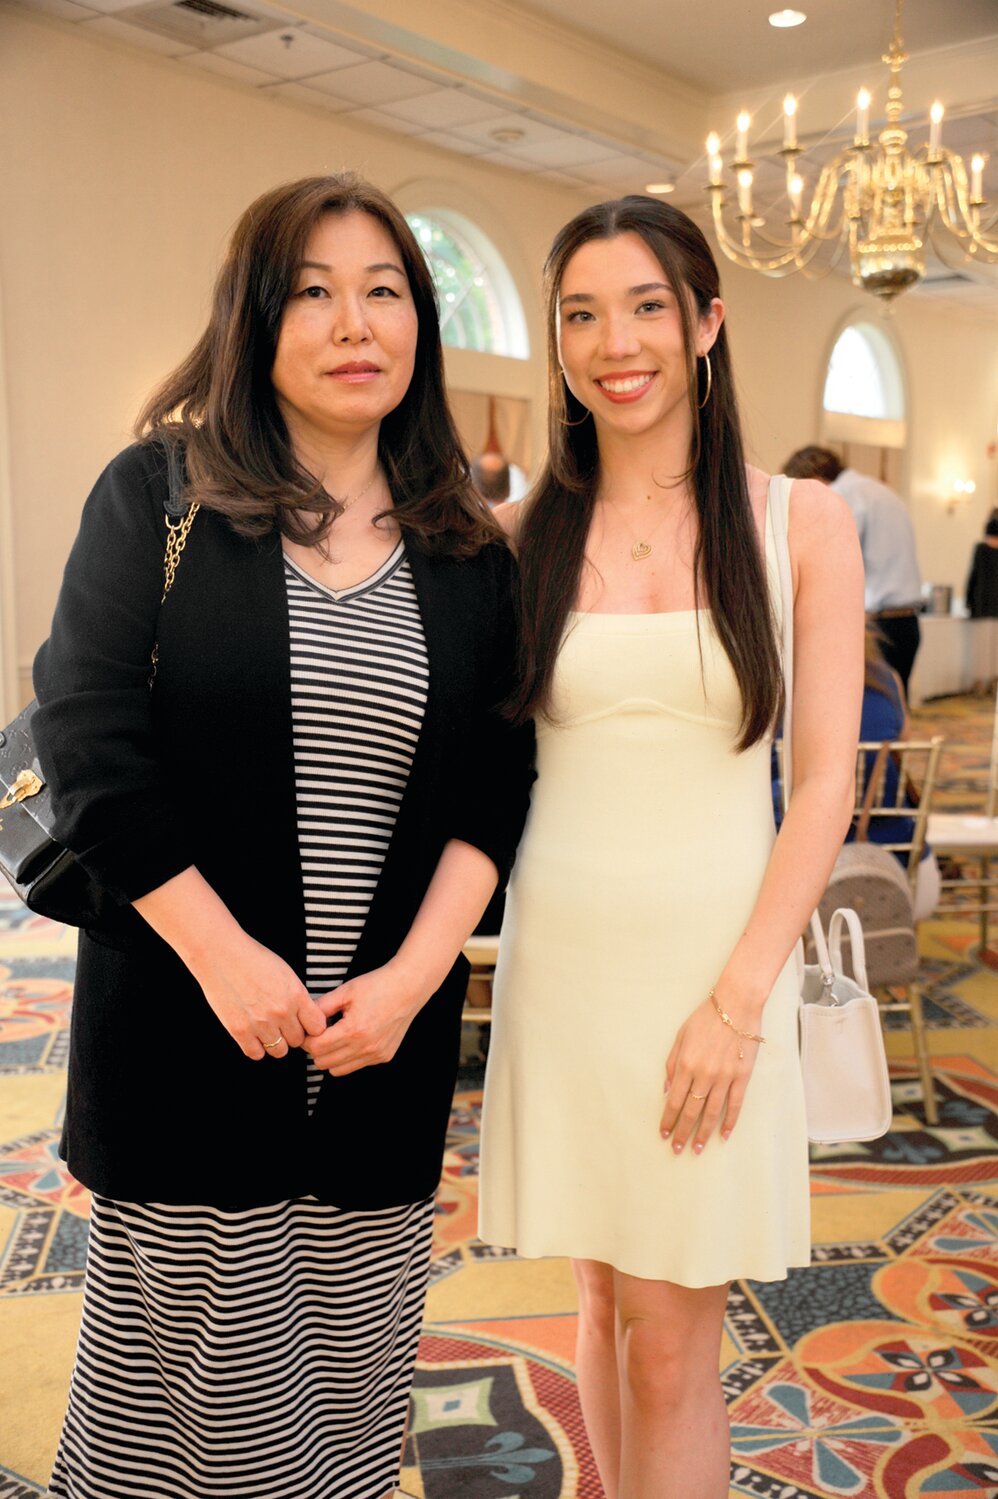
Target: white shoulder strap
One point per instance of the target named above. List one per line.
(779, 509)
(779, 503)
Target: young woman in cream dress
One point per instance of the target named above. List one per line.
(635, 1118)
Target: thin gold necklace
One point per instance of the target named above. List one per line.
(640, 548)
(352, 499)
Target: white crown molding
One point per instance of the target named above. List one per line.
(624, 63)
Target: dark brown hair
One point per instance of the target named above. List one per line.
(877, 674)
(728, 569)
(813, 463)
(220, 403)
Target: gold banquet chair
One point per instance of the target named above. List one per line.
(972, 840)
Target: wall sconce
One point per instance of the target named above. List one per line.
(959, 490)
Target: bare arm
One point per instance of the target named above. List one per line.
(828, 692)
(377, 1008)
(253, 992)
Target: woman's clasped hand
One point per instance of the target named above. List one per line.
(258, 998)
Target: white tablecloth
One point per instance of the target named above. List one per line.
(955, 654)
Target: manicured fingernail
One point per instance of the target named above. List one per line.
(725, 1134)
(665, 1088)
(677, 1147)
(698, 1148)
(666, 1133)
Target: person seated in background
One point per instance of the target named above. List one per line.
(491, 477)
(982, 584)
(893, 583)
(885, 718)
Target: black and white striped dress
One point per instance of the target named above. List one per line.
(268, 1353)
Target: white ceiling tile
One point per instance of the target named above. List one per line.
(303, 55)
(298, 93)
(135, 36)
(570, 151)
(483, 130)
(226, 67)
(384, 121)
(66, 10)
(452, 142)
(362, 50)
(618, 171)
(444, 109)
(562, 179)
(506, 159)
(421, 70)
(372, 84)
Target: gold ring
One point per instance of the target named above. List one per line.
(698, 1096)
(269, 1045)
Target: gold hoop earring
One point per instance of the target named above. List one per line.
(581, 421)
(706, 394)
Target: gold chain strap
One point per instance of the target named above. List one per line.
(177, 532)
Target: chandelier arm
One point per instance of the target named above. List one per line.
(950, 265)
(961, 219)
(794, 258)
(788, 256)
(824, 196)
(819, 275)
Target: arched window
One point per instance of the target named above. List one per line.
(479, 305)
(864, 377)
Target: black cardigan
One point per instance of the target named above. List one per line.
(162, 1105)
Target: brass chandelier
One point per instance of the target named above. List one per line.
(877, 198)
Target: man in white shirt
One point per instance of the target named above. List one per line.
(890, 560)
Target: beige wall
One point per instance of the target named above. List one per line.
(122, 175)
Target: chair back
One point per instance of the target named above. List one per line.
(894, 783)
(876, 871)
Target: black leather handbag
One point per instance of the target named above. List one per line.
(42, 872)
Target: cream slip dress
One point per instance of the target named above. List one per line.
(647, 842)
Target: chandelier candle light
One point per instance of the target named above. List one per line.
(877, 199)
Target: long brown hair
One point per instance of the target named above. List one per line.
(728, 569)
(220, 403)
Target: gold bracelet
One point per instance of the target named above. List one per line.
(742, 1035)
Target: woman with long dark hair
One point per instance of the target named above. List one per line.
(296, 780)
(650, 923)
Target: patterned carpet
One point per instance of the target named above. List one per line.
(873, 1374)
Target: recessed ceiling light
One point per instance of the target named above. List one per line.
(660, 187)
(507, 135)
(787, 18)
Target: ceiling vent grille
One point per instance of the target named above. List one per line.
(211, 9)
(200, 23)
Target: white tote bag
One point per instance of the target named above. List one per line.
(847, 1094)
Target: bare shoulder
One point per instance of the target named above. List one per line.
(509, 514)
(819, 517)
